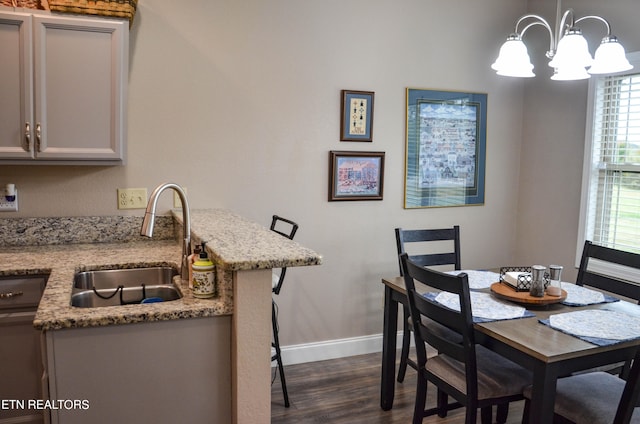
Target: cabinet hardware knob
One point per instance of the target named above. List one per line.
(38, 137)
(9, 295)
(27, 137)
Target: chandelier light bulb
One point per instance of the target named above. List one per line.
(570, 73)
(513, 60)
(573, 50)
(610, 58)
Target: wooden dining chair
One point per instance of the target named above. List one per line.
(412, 241)
(472, 375)
(605, 277)
(590, 398)
(598, 269)
(285, 228)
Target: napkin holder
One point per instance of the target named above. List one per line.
(519, 277)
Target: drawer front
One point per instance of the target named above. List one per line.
(24, 292)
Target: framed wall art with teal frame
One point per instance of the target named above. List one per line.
(445, 154)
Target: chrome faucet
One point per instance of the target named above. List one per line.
(150, 216)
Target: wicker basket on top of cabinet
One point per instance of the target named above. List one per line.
(113, 8)
(29, 4)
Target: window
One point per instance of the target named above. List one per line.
(610, 207)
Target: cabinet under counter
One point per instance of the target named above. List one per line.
(160, 372)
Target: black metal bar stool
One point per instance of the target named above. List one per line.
(277, 225)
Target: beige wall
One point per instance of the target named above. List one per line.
(239, 102)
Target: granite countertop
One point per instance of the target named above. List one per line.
(241, 244)
(234, 243)
(61, 262)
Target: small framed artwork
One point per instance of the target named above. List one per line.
(356, 175)
(446, 148)
(356, 119)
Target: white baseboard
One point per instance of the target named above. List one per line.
(332, 349)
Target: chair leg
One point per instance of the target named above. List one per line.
(406, 342)
(472, 413)
(502, 413)
(486, 414)
(278, 355)
(442, 399)
(421, 398)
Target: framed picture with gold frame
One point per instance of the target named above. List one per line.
(445, 153)
(356, 118)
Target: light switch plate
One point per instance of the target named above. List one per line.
(132, 198)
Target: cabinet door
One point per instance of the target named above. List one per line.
(79, 86)
(133, 373)
(16, 95)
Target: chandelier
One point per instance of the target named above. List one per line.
(568, 49)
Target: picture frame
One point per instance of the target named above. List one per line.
(356, 175)
(356, 116)
(445, 152)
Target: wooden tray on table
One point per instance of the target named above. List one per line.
(506, 292)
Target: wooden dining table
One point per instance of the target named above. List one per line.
(549, 353)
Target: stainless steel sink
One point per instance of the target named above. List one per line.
(124, 296)
(116, 287)
(130, 277)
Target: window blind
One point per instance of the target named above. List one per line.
(614, 204)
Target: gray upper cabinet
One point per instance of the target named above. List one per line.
(63, 85)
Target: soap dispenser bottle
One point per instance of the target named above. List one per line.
(190, 261)
(203, 276)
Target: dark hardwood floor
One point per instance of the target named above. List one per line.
(347, 391)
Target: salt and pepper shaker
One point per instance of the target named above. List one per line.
(537, 281)
(555, 285)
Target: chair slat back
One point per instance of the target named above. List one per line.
(609, 282)
(279, 225)
(428, 235)
(459, 321)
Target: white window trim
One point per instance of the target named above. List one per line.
(603, 268)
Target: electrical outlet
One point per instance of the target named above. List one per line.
(177, 203)
(132, 198)
(6, 205)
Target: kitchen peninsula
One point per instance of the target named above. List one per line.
(180, 331)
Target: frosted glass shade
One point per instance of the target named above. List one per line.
(513, 59)
(609, 58)
(570, 73)
(573, 50)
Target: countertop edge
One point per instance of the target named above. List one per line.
(237, 243)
